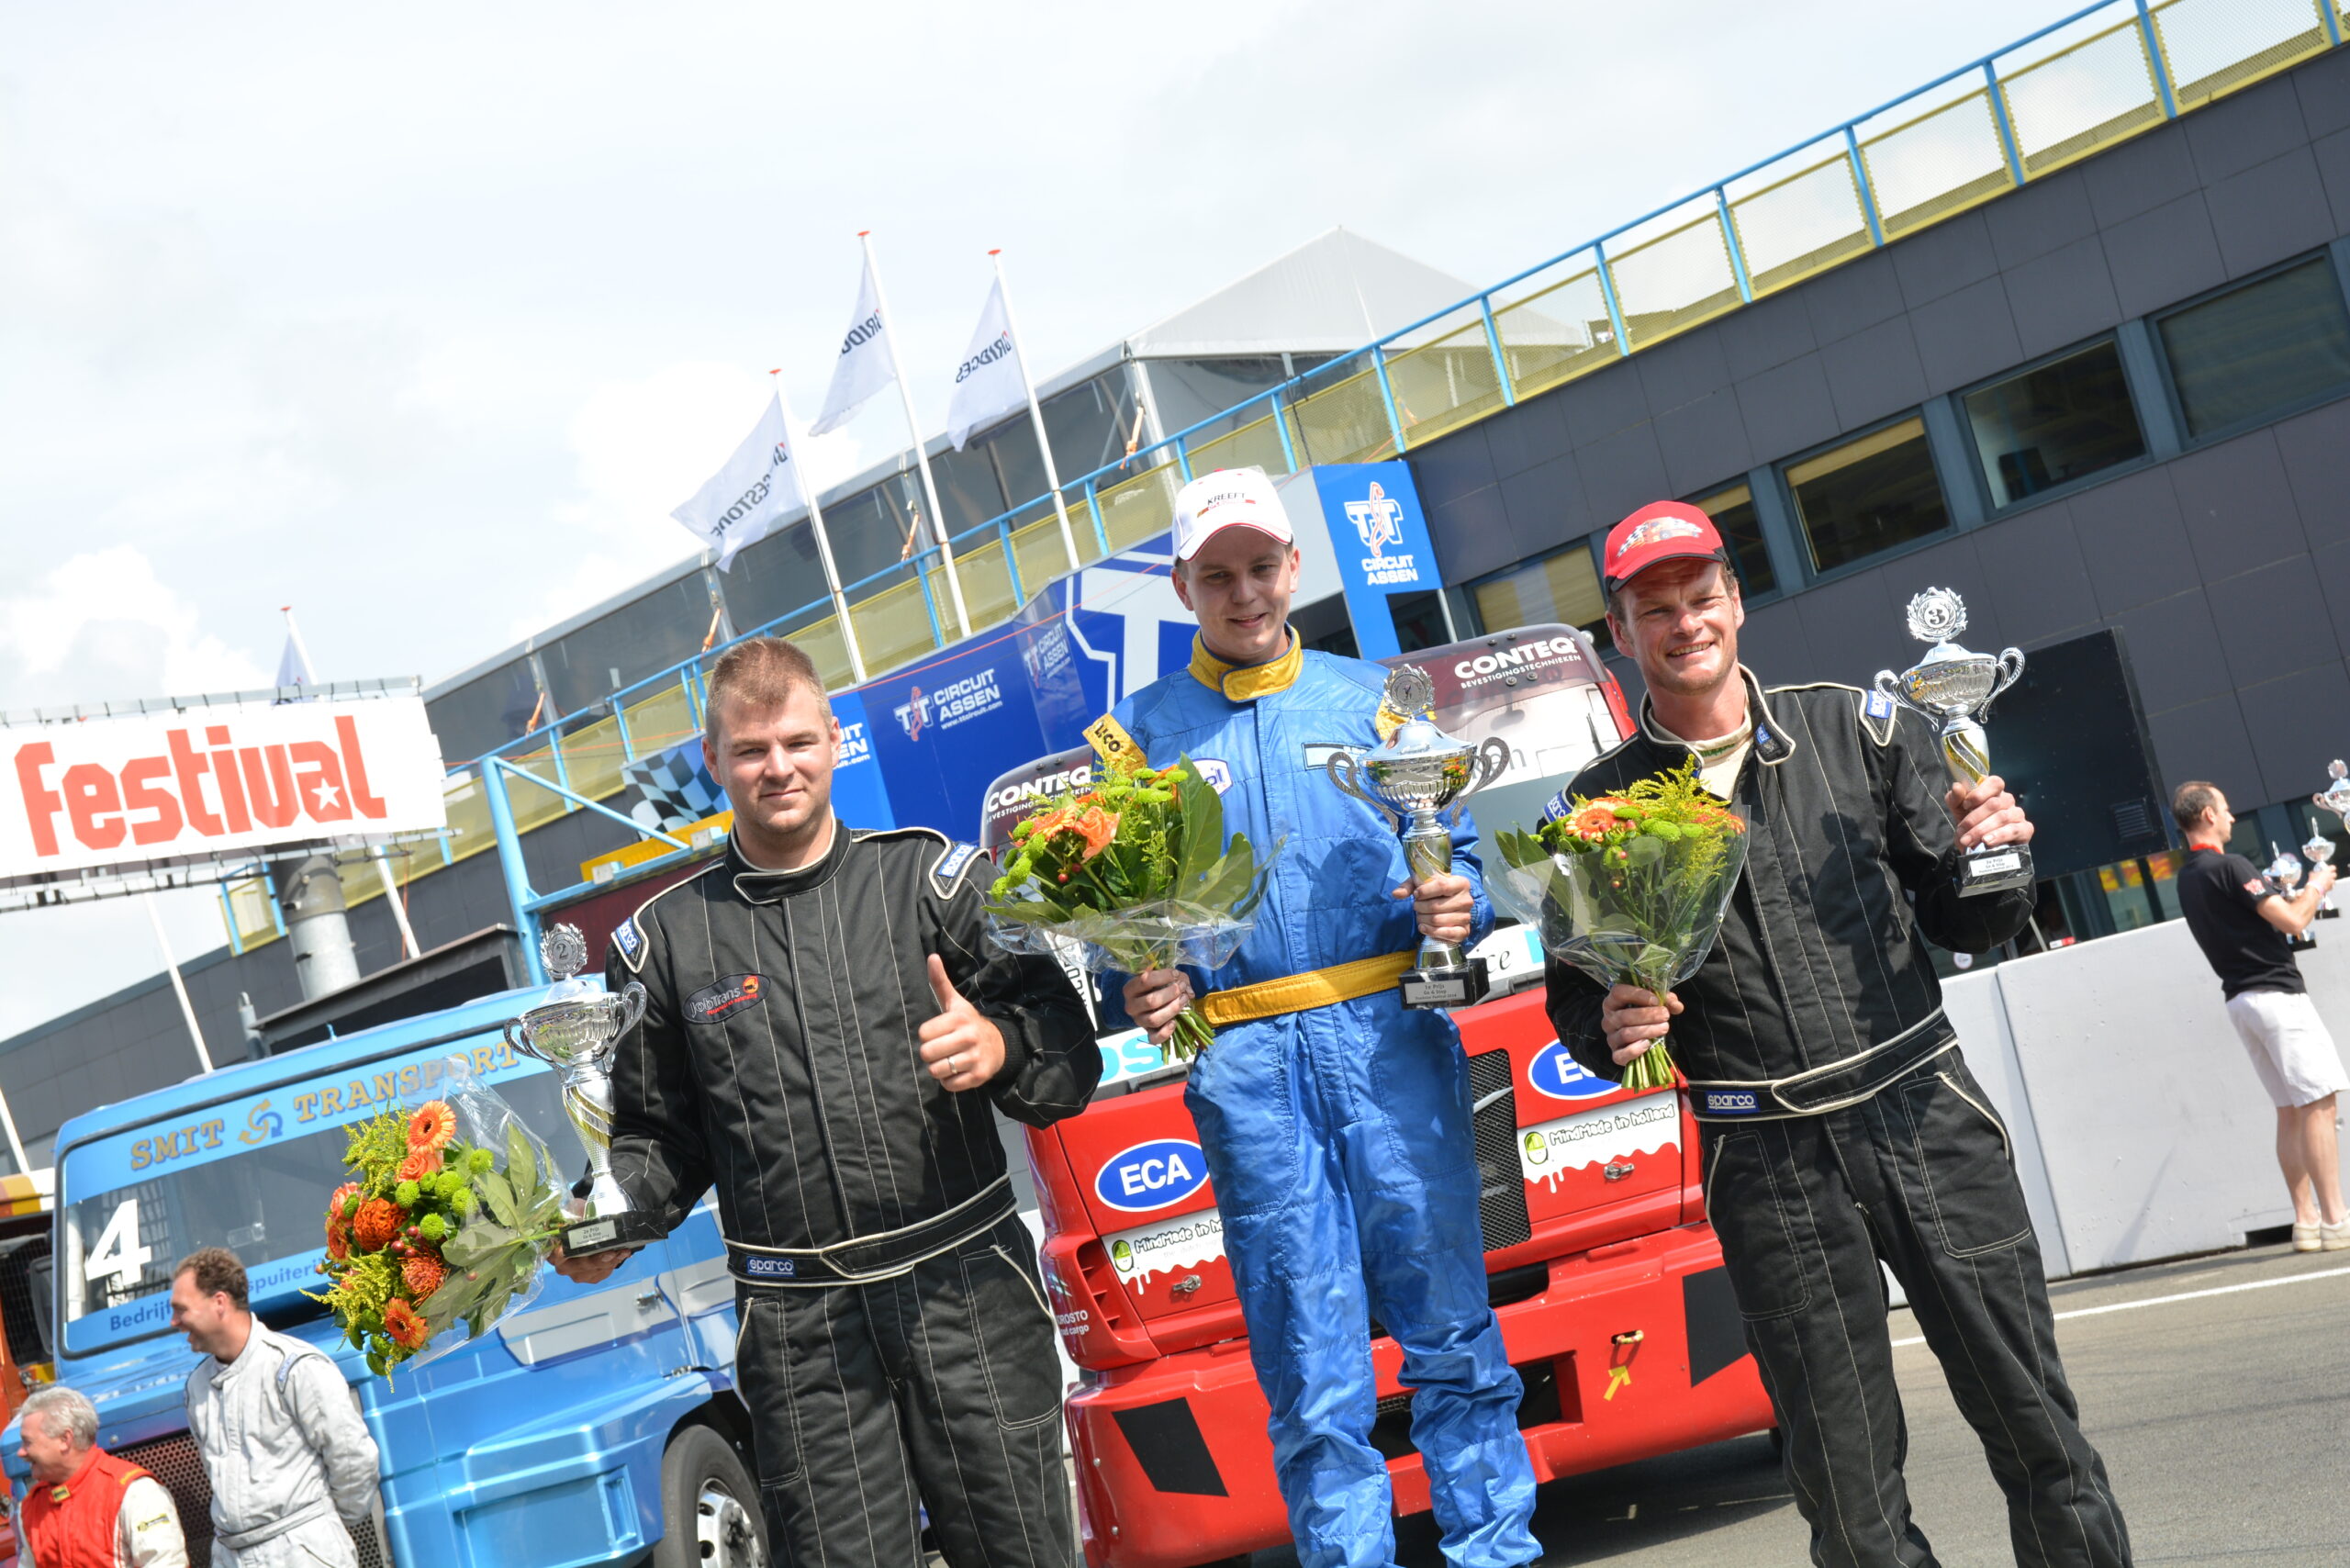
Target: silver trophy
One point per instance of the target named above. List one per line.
(1953, 687)
(2284, 872)
(1416, 774)
(2335, 797)
(577, 1030)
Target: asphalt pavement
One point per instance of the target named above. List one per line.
(2224, 1417)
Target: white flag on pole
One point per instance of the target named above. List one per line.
(863, 368)
(745, 500)
(988, 383)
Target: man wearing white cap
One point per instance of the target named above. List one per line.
(1335, 1122)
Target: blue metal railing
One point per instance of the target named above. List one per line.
(1280, 401)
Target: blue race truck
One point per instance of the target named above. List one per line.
(599, 1424)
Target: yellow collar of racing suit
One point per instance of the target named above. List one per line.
(1246, 683)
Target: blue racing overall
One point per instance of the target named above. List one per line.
(1338, 1135)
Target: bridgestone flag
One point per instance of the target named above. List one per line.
(201, 780)
(986, 383)
(863, 368)
(742, 500)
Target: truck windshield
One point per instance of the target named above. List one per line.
(252, 1175)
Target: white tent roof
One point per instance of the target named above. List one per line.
(1336, 292)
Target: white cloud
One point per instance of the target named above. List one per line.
(103, 626)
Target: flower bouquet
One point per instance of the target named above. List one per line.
(436, 1226)
(1137, 873)
(1630, 889)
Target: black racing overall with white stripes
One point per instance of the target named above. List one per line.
(1840, 1126)
(896, 1346)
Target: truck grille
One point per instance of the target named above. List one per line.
(20, 1305)
(176, 1461)
(1501, 1200)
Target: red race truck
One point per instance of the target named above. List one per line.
(1609, 1284)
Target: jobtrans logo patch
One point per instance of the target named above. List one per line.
(1555, 1073)
(1151, 1175)
(1378, 520)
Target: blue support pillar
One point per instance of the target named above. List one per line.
(2007, 126)
(1501, 361)
(1281, 424)
(510, 861)
(1094, 509)
(1387, 394)
(1729, 242)
(1614, 311)
(2154, 62)
(1861, 184)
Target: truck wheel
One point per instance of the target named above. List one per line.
(710, 1506)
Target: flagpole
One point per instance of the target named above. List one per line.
(310, 670)
(1035, 412)
(906, 397)
(171, 967)
(824, 539)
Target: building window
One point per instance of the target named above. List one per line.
(2055, 424)
(1561, 588)
(1868, 494)
(1741, 529)
(2259, 349)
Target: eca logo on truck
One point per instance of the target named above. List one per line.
(1555, 1073)
(1151, 1175)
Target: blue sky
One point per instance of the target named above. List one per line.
(422, 319)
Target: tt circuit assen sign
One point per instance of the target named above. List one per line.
(200, 780)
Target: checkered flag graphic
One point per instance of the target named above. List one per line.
(673, 788)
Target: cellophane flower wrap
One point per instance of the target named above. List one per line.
(1631, 889)
(450, 1207)
(1134, 873)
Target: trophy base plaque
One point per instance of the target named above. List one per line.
(1463, 986)
(1994, 868)
(584, 1239)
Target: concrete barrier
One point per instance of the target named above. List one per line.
(2140, 1131)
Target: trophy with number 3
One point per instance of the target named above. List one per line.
(1954, 688)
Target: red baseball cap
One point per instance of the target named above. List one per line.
(1661, 531)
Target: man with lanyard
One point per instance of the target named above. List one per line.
(1335, 1122)
(291, 1467)
(2244, 926)
(1840, 1125)
(85, 1508)
(827, 1038)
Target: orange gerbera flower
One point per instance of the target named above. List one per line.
(1097, 827)
(422, 1160)
(1595, 820)
(432, 1125)
(405, 1325)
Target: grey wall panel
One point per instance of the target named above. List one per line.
(2297, 723)
(2162, 256)
(1452, 469)
(2049, 598)
(2238, 508)
(1682, 371)
(2176, 651)
(2139, 177)
(2315, 450)
(1852, 628)
(2244, 130)
(1873, 373)
(2206, 740)
(1787, 407)
(1474, 537)
(1774, 645)
(2272, 621)
(2270, 212)
(1853, 297)
(2133, 540)
(1704, 443)
(1945, 259)
(1622, 472)
(1966, 336)
(2334, 168)
(1598, 404)
(2324, 87)
(1544, 506)
(1534, 432)
(1769, 332)
(2062, 297)
(2043, 216)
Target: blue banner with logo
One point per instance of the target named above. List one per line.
(1380, 539)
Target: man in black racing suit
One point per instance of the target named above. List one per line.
(827, 1036)
(1840, 1125)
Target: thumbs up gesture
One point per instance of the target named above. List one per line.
(962, 1048)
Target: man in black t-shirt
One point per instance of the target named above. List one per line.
(2241, 925)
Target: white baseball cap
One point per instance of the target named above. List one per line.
(1229, 498)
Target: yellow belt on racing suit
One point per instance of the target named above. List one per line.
(1315, 988)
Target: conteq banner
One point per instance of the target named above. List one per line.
(159, 785)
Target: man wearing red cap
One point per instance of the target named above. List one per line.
(1840, 1125)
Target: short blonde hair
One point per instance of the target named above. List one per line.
(762, 671)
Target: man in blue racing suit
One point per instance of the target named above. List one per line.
(1335, 1122)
